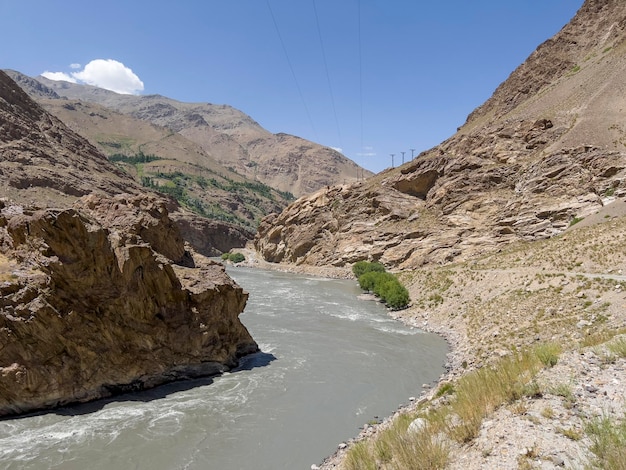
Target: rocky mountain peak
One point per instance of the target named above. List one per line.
(598, 25)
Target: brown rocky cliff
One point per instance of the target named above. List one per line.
(98, 294)
(90, 309)
(522, 168)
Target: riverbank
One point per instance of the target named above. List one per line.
(569, 291)
(457, 344)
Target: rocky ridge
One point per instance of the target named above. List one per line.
(522, 168)
(43, 162)
(443, 209)
(224, 134)
(100, 293)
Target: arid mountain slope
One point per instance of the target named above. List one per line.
(231, 137)
(547, 149)
(175, 164)
(98, 291)
(43, 162)
(595, 30)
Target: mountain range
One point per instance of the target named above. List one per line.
(509, 236)
(201, 134)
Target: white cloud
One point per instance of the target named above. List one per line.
(102, 73)
(337, 149)
(110, 75)
(58, 76)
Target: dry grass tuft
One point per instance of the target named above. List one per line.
(471, 399)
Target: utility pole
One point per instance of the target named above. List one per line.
(392, 155)
(412, 151)
(403, 157)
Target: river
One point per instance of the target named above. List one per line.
(330, 362)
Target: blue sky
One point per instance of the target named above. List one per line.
(371, 77)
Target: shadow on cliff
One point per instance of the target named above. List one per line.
(246, 363)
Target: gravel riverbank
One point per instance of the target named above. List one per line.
(485, 312)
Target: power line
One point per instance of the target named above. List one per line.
(293, 73)
(330, 88)
(360, 70)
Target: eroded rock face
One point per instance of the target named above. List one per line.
(443, 208)
(210, 237)
(546, 149)
(100, 299)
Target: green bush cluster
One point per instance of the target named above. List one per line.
(234, 257)
(139, 157)
(372, 277)
(361, 267)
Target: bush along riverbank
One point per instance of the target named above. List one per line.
(233, 257)
(373, 277)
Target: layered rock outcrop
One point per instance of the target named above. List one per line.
(102, 298)
(443, 208)
(98, 292)
(210, 237)
(547, 149)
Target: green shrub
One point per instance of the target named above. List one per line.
(548, 353)
(608, 439)
(139, 157)
(395, 294)
(367, 281)
(237, 257)
(361, 267)
(381, 285)
(575, 220)
(372, 277)
(234, 257)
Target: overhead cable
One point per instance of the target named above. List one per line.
(330, 87)
(293, 73)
